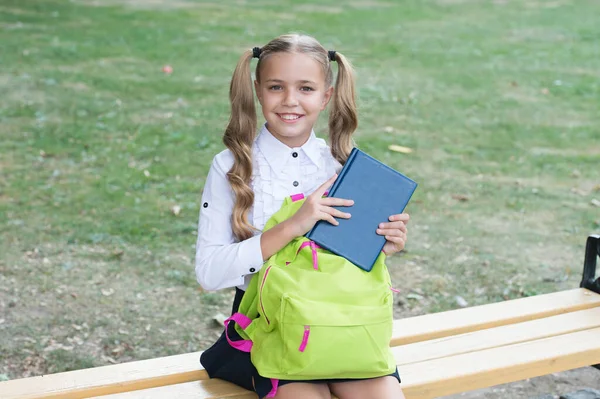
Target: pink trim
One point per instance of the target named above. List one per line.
(326, 193)
(313, 246)
(394, 290)
(287, 263)
(244, 345)
(297, 197)
(261, 288)
(304, 338)
(273, 392)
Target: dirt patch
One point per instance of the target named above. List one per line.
(536, 34)
(547, 4)
(143, 4)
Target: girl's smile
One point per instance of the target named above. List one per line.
(290, 118)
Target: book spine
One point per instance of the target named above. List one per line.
(343, 172)
(335, 185)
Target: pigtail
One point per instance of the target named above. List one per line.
(238, 138)
(343, 116)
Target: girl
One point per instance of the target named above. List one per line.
(248, 182)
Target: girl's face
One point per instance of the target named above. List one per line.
(292, 93)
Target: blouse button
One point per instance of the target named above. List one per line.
(205, 205)
(295, 154)
(295, 184)
(252, 270)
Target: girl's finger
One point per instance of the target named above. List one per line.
(394, 239)
(391, 232)
(319, 192)
(393, 225)
(336, 213)
(327, 217)
(401, 217)
(336, 202)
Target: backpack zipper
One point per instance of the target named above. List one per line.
(261, 293)
(304, 339)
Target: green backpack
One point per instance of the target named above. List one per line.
(310, 314)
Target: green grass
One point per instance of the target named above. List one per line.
(499, 101)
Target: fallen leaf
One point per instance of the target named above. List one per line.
(460, 197)
(109, 359)
(399, 148)
(415, 297)
(176, 210)
(460, 301)
(388, 129)
(108, 292)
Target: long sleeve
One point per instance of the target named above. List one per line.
(221, 262)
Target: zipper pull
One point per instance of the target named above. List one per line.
(304, 339)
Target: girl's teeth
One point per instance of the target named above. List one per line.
(289, 117)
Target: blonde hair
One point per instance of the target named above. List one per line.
(241, 130)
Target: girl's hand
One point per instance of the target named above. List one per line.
(395, 233)
(317, 208)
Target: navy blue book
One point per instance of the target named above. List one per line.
(378, 192)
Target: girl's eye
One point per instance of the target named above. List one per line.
(307, 88)
(275, 87)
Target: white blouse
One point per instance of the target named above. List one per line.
(278, 172)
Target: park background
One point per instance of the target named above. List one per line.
(111, 112)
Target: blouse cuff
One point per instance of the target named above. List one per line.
(252, 251)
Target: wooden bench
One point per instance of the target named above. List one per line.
(437, 354)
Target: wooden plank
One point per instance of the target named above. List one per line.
(499, 336)
(195, 389)
(108, 379)
(186, 367)
(439, 377)
(438, 325)
(470, 371)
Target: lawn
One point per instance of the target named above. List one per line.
(103, 156)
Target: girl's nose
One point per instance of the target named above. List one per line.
(290, 99)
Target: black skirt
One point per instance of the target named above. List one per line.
(227, 363)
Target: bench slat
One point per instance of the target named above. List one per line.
(107, 379)
(186, 367)
(498, 336)
(438, 325)
(501, 365)
(438, 377)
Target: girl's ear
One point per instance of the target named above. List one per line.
(327, 97)
(257, 90)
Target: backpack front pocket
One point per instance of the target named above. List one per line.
(336, 340)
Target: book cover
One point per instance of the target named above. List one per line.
(378, 192)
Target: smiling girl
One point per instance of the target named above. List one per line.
(249, 181)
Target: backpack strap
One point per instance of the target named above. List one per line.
(297, 197)
(313, 246)
(244, 345)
